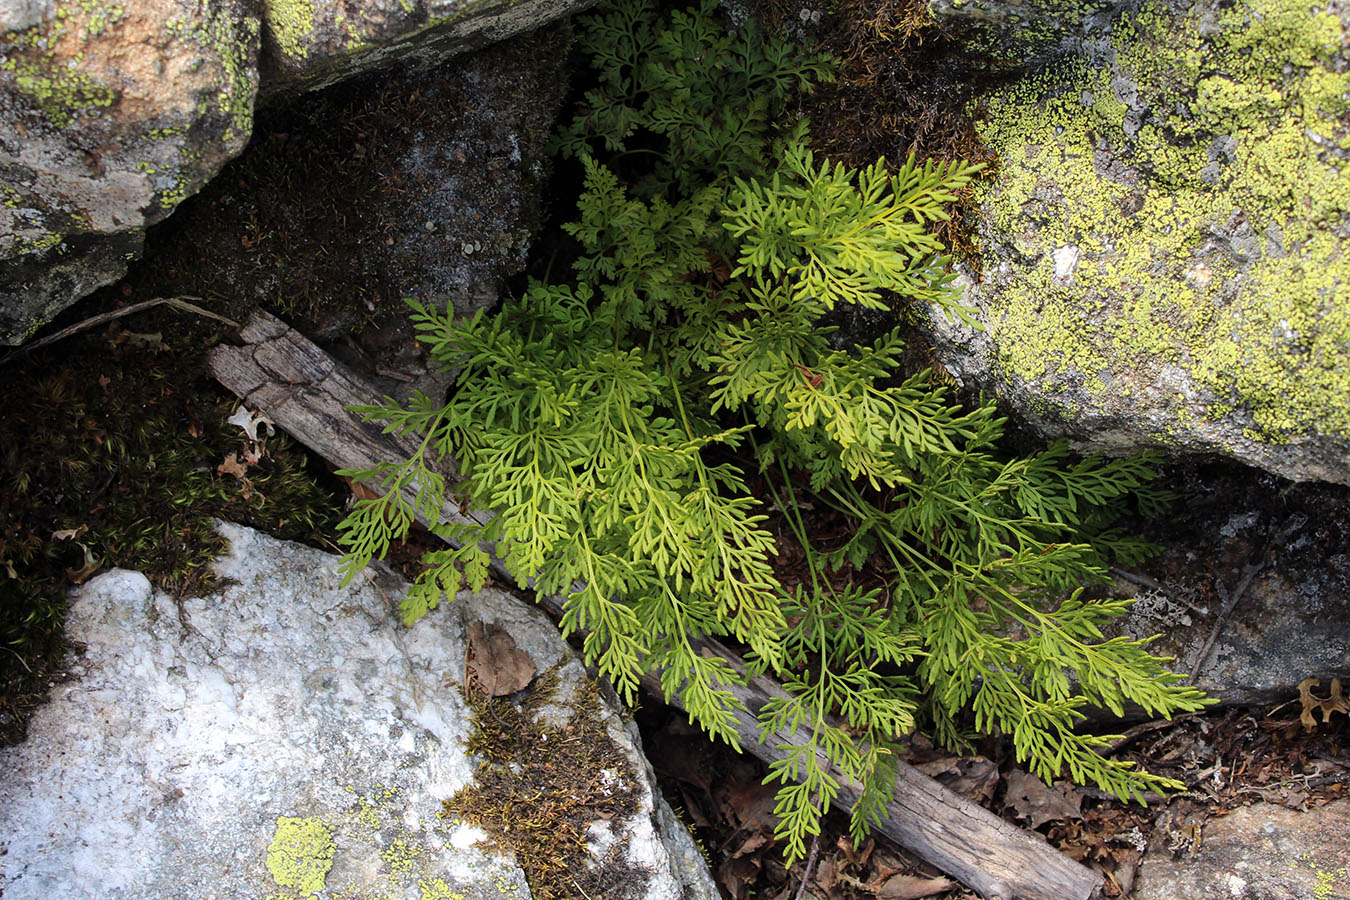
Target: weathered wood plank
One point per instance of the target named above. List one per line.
(304, 391)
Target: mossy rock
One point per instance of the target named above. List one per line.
(1164, 247)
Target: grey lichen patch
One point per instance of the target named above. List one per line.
(1197, 169)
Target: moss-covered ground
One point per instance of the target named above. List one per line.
(112, 441)
(111, 448)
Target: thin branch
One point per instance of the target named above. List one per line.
(177, 302)
(810, 866)
(1230, 603)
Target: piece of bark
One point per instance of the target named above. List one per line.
(307, 393)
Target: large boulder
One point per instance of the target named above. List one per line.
(313, 43)
(421, 184)
(289, 737)
(1164, 243)
(110, 115)
(1250, 590)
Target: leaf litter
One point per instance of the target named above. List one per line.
(1228, 759)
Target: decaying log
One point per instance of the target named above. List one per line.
(307, 393)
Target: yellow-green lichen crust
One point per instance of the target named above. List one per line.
(61, 90)
(301, 853)
(291, 23)
(1187, 210)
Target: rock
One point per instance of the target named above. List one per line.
(1011, 36)
(1260, 852)
(1289, 543)
(35, 287)
(1164, 244)
(288, 737)
(424, 185)
(110, 115)
(314, 44)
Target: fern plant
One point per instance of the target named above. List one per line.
(614, 425)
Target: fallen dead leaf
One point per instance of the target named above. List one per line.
(91, 562)
(912, 887)
(494, 666)
(755, 840)
(1031, 799)
(69, 534)
(1336, 702)
(970, 776)
(233, 465)
(749, 805)
(736, 873)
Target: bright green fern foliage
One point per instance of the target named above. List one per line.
(614, 425)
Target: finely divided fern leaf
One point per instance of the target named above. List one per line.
(628, 431)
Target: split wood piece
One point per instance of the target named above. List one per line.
(307, 393)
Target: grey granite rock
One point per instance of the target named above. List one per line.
(283, 738)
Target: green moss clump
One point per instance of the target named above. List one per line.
(116, 440)
(1211, 246)
(540, 787)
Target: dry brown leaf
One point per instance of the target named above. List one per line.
(1031, 799)
(749, 805)
(91, 562)
(91, 565)
(912, 887)
(755, 840)
(824, 873)
(235, 466)
(1336, 702)
(736, 873)
(970, 776)
(494, 666)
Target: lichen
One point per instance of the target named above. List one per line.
(60, 88)
(232, 42)
(291, 23)
(59, 91)
(301, 853)
(1202, 176)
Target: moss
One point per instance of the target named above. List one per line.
(120, 433)
(539, 788)
(291, 22)
(301, 853)
(1210, 246)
